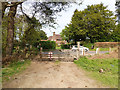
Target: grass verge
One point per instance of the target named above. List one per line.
(103, 49)
(14, 68)
(58, 47)
(110, 67)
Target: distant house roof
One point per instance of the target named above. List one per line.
(50, 38)
(55, 37)
(44, 40)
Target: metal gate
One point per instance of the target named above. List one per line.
(61, 55)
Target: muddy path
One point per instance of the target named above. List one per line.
(51, 75)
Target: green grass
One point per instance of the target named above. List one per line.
(104, 49)
(110, 66)
(14, 68)
(58, 47)
(101, 49)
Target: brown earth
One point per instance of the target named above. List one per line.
(46, 74)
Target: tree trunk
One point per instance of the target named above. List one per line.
(10, 32)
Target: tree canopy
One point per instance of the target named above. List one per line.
(95, 22)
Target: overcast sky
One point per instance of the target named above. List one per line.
(66, 16)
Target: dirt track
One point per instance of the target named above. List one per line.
(51, 75)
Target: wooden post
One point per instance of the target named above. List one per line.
(78, 53)
(83, 52)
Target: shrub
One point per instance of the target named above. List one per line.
(48, 44)
(65, 46)
(88, 45)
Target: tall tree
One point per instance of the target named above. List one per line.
(100, 22)
(115, 35)
(95, 22)
(10, 35)
(117, 4)
(10, 27)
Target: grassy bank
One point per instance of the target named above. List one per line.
(110, 67)
(14, 68)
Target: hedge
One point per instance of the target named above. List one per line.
(48, 44)
(65, 46)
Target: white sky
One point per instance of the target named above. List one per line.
(65, 17)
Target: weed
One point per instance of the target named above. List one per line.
(57, 62)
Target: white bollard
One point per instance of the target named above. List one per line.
(97, 51)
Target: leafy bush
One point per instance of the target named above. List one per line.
(48, 44)
(65, 46)
(88, 45)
